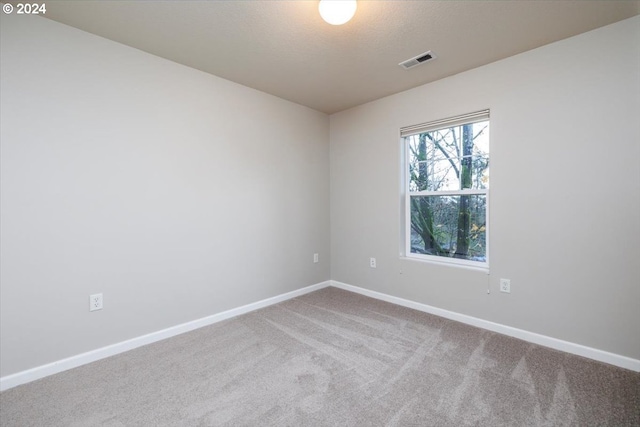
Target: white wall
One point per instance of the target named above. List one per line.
(565, 191)
(175, 193)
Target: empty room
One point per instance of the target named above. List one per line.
(320, 213)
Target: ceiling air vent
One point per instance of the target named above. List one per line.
(417, 60)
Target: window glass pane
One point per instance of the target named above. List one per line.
(449, 226)
(449, 159)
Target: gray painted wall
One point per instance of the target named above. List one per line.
(565, 191)
(175, 193)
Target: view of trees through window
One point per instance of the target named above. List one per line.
(448, 172)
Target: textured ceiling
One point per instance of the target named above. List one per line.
(286, 49)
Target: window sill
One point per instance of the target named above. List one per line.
(466, 265)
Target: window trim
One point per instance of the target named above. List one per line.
(407, 131)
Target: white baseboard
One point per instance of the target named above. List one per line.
(36, 373)
(566, 346)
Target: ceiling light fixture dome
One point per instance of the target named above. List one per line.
(337, 12)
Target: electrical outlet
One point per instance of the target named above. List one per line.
(505, 285)
(315, 258)
(372, 262)
(95, 302)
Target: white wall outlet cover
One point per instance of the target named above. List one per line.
(95, 302)
(372, 262)
(505, 285)
(315, 258)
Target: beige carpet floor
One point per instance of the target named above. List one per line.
(332, 358)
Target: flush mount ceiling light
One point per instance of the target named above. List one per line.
(337, 12)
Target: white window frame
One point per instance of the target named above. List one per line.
(405, 132)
